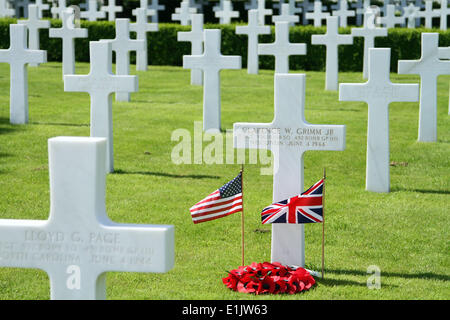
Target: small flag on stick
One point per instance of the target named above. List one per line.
(304, 208)
(221, 203)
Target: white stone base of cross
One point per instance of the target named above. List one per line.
(288, 137)
(78, 244)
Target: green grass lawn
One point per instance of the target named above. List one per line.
(404, 233)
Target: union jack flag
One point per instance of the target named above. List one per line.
(304, 208)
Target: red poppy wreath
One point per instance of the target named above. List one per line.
(268, 277)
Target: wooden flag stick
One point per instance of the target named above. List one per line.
(242, 214)
(323, 221)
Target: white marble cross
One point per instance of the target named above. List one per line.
(5, 10)
(195, 37)
(122, 45)
(286, 16)
(282, 48)
(141, 27)
(317, 15)
(445, 11)
(253, 30)
(33, 25)
(428, 14)
(288, 137)
(68, 32)
(389, 20)
(378, 92)
(18, 56)
(332, 39)
(41, 7)
(79, 243)
(428, 67)
(92, 14)
(292, 4)
(183, 13)
(411, 12)
(112, 9)
(144, 5)
(58, 10)
(156, 7)
(100, 83)
(343, 13)
(226, 13)
(263, 12)
(211, 62)
(369, 32)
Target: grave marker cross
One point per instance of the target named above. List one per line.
(100, 83)
(78, 244)
(282, 48)
(428, 67)
(288, 137)
(211, 62)
(378, 92)
(253, 30)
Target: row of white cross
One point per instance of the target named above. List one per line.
(289, 120)
(315, 12)
(93, 11)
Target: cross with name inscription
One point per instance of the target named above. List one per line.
(92, 14)
(282, 48)
(211, 62)
(33, 25)
(68, 34)
(122, 45)
(100, 83)
(378, 92)
(428, 67)
(288, 137)
(18, 56)
(332, 39)
(141, 27)
(195, 37)
(253, 30)
(78, 243)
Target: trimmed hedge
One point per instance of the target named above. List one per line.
(164, 49)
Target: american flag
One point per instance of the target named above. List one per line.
(222, 202)
(304, 208)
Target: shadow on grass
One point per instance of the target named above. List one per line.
(167, 175)
(7, 127)
(60, 124)
(421, 275)
(421, 191)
